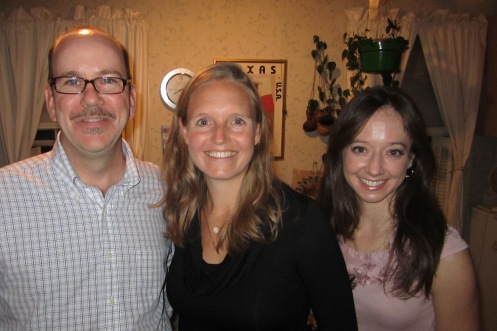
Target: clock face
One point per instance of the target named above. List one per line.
(173, 84)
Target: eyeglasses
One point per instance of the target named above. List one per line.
(76, 85)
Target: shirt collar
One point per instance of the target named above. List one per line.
(62, 166)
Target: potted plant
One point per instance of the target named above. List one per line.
(383, 55)
(322, 111)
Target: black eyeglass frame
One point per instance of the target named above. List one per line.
(89, 81)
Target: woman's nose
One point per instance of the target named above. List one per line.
(220, 134)
(375, 164)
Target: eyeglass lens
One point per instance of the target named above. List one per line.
(104, 85)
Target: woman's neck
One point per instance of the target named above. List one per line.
(222, 196)
(373, 231)
(214, 220)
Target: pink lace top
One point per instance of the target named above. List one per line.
(377, 310)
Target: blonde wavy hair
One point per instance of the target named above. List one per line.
(257, 214)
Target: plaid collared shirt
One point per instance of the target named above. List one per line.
(72, 259)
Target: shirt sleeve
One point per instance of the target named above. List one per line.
(169, 258)
(453, 243)
(323, 270)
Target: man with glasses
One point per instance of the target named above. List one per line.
(81, 245)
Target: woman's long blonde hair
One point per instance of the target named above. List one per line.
(257, 214)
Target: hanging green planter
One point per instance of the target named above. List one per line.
(379, 56)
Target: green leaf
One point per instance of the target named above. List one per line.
(331, 66)
(319, 68)
(344, 54)
(352, 65)
(322, 95)
(353, 80)
(313, 105)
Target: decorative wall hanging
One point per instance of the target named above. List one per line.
(269, 76)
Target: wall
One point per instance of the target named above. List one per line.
(486, 125)
(192, 33)
(477, 190)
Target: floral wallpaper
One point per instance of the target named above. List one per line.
(192, 33)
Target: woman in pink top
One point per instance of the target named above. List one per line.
(409, 269)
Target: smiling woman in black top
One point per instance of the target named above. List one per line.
(251, 253)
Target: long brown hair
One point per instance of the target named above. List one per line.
(258, 212)
(421, 227)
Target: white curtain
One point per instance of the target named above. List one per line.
(24, 43)
(25, 40)
(454, 49)
(359, 23)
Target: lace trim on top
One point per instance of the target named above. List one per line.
(366, 268)
(370, 268)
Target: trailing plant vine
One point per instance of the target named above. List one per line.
(331, 98)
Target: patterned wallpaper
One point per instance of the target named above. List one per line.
(192, 33)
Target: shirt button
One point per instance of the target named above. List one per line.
(112, 301)
(109, 256)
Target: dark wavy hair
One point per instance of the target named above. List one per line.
(421, 226)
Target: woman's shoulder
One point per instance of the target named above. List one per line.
(291, 198)
(297, 206)
(454, 243)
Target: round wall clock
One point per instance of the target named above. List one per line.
(172, 85)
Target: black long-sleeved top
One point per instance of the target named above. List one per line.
(271, 286)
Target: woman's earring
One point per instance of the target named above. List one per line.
(409, 172)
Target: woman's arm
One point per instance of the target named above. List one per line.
(455, 294)
(323, 271)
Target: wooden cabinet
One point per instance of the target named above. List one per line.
(483, 247)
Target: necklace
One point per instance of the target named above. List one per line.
(215, 228)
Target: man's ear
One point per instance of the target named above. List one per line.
(132, 101)
(50, 103)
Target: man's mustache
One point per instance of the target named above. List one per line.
(92, 111)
